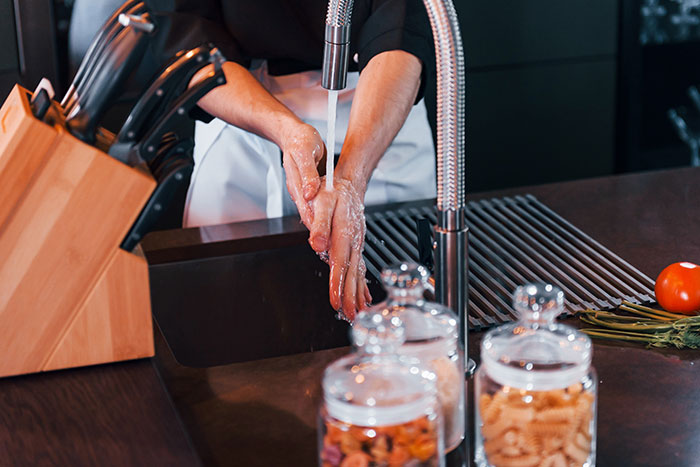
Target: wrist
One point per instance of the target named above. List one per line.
(289, 129)
(357, 177)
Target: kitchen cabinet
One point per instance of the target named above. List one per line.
(541, 90)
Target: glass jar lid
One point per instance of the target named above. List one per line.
(536, 353)
(424, 321)
(373, 386)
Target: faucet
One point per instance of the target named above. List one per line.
(336, 44)
(451, 233)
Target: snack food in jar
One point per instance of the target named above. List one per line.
(379, 408)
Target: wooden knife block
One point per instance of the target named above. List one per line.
(69, 296)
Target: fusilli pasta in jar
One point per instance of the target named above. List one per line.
(535, 393)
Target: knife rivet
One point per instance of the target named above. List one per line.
(157, 207)
(220, 81)
(199, 58)
(159, 92)
(151, 149)
(178, 176)
(130, 134)
(181, 111)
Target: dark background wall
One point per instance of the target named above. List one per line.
(541, 90)
(28, 37)
(555, 90)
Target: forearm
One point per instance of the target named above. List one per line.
(245, 103)
(385, 93)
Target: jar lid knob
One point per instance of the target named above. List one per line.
(405, 276)
(378, 332)
(538, 302)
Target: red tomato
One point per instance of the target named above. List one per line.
(677, 288)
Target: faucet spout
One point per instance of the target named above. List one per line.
(336, 48)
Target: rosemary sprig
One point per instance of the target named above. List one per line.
(644, 313)
(637, 326)
(652, 310)
(656, 328)
(612, 316)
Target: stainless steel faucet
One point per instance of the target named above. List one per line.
(451, 232)
(337, 44)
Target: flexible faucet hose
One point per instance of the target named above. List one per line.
(450, 109)
(339, 13)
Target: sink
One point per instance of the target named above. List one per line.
(251, 290)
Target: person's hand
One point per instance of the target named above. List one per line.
(302, 150)
(338, 230)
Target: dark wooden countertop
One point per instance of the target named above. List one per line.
(117, 414)
(264, 412)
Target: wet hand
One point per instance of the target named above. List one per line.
(338, 230)
(302, 150)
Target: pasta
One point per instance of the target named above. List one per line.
(537, 428)
(415, 443)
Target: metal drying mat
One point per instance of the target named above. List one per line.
(513, 241)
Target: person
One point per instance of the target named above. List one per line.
(272, 112)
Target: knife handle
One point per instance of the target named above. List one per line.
(117, 63)
(173, 173)
(104, 36)
(40, 103)
(172, 82)
(178, 114)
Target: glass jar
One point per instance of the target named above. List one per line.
(432, 337)
(536, 391)
(379, 408)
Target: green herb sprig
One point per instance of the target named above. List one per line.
(656, 328)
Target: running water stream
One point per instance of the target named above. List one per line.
(330, 138)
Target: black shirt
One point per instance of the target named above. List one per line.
(289, 33)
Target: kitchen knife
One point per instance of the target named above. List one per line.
(107, 32)
(174, 170)
(118, 60)
(159, 96)
(123, 20)
(93, 65)
(40, 103)
(175, 117)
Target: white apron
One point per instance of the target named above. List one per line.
(238, 176)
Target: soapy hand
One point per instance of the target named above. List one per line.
(334, 218)
(338, 231)
(302, 150)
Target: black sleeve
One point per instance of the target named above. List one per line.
(398, 25)
(185, 24)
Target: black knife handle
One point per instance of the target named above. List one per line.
(171, 148)
(116, 64)
(176, 171)
(107, 32)
(40, 103)
(177, 115)
(172, 82)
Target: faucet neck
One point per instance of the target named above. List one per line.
(451, 220)
(336, 48)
